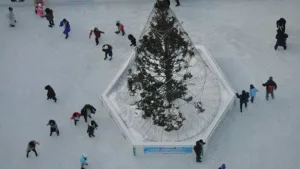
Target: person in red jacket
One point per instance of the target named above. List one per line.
(120, 28)
(97, 34)
(75, 117)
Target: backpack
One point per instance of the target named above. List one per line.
(270, 88)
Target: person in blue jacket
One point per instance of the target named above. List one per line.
(108, 50)
(252, 92)
(67, 29)
(223, 166)
(83, 160)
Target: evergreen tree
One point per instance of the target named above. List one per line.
(161, 69)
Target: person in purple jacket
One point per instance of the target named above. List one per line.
(67, 29)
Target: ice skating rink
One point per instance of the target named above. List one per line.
(239, 34)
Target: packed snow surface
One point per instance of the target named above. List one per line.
(239, 34)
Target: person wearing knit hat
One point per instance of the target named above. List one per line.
(108, 51)
(97, 34)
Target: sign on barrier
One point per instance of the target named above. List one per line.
(168, 150)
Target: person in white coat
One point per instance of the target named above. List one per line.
(11, 17)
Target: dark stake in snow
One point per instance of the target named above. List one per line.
(161, 69)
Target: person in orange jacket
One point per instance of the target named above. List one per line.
(97, 34)
(120, 28)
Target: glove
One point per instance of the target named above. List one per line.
(15, 21)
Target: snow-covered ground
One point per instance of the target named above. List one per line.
(239, 34)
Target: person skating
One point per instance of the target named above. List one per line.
(270, 87)
(50, 93)
(108, 51)
(97, 34)
(76, 117)
(281, 40)
(67, 26)
(223, 166)
(281, 25)
(198, 148)
(91, 128)
(11, 17)
(36, 2)
(252, 92)
(244, 98)
(177, 3)
(120, 28)
(132, 40)
(31, 147)
(53, 127)
(40, 11)
(87, 110)
(49, 16)
(83, 161)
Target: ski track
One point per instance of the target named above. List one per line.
(240, 36)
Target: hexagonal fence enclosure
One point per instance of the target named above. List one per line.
(170, 93)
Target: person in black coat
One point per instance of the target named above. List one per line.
(91, 127)
(198, 148)
(270, 87)
(244, 99)
(132, 40)
(281, 25)
(31, 147)
(107, 49)
(49, 17)
(87, 110)
(50, 94)
(281, 39)
(177, 3)
(53, 127)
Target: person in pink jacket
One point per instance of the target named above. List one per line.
(40, 10)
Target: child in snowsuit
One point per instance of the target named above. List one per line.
(31, 147)
(50, 94)
(36, 2)
(49, 17)
(40, 10)
(53, 127)
(198, 148)
(281, 39)
(83, 160)
(281, 25)
(223, 166)
(91, 127)
(270, 87)
(87, 110)
(120, 28)
(97, 34)
(67, 29)
(244, 98)
(11, 17)
(252, 92)
(75, 117)
(132, 40)
(108, 50)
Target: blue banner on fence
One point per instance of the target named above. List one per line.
(168, 150)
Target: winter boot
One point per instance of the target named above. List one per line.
(110, 58)
(105, 58)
